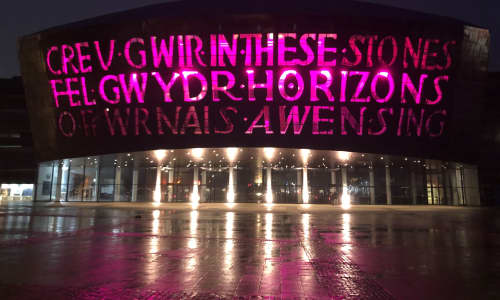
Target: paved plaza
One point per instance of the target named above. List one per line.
(141, 251)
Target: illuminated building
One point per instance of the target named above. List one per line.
(392, 94)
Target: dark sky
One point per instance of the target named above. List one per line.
(22, 17)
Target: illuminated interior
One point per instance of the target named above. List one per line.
(257, 175)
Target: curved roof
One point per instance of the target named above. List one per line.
(340, 8)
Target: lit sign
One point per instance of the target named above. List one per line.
(262, 84)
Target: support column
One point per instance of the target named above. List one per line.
(135, 179)
(203, 196)
(333, 186)
(170, 185)
(459, 187)
(60, 164)
(333, 181)
(343, 171)
(157, 191)
(388, 185)
(118, 177)
(471, 186)
(97, 181)
(269, 188)
(305, 186)
(235, 180)
(231, 194)
(195, 194)
(299, 186)
(413, 184)
(371, 176)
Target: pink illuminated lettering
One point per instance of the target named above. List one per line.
(83, 58)
(307, 48)
(343, 85)
(410, 50)
(369, 51)
(290, 86)
(117, 119)
(206, 129)
(66, 58)
(265, 116)
(225, 88)
(163, 119)
(85, 123)
(252, 85)
(317, 120)
(390, 81)
(325, 87)
(358, 56)
(412, 119)
(115, 89)
(408, 84)
(133, 86)
(142, 54)
(380, 50)
(197, 50)
(323, 50)
(400, 122)
(248, 46)
(345, 114)
(229, 125)
(438, 90)
(382, 121)
(446, 52)
(185, 84)
(268, 50)
(141, 117)
(84, 93)
(69, 91)
(283, 50)
(71, 132)
(49, 65)
(361, 84)
(438, 113)
(166, 87)
(105, 65)
(293, 117)
(164, 54)
(429, 55)
(224, 50)
(191, 121)
(180, 49)
(213, 50)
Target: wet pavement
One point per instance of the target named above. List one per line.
(173, 252)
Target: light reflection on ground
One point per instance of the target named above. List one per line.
(414, 253)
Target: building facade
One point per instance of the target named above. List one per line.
(261, 102)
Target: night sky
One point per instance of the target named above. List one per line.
(20, 17)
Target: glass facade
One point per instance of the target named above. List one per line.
(257, 175)
(13, 191)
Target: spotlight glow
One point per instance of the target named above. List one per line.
(305, 153)
(345, 199)
(269, 153)
(195, 197)
(160, 154)
(343, 155)
(231, 153)
(197, 153)
(157, 193)
(269, 197)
